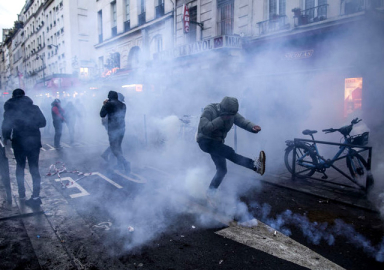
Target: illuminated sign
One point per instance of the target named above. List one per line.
(5, 93)
(352, 95)
(185, 18)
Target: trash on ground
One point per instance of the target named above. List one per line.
(193, 227)
(275, 233)
(323, 201)
(221, 261)
(131, 229)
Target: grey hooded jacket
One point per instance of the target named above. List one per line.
(213, 126)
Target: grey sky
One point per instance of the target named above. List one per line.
(8, 13)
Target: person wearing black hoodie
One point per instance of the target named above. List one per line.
(216, 121)
(115, 110)
(23, 120)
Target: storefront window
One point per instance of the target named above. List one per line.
(352, 95)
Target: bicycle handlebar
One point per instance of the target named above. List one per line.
(343, 130)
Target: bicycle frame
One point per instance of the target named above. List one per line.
(329, 163)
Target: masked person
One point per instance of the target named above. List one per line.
(23, 120)
(58, 119)
(215, 122)
(115, 111)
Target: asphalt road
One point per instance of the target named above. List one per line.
(94, 217)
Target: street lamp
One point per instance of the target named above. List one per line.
(51, 45)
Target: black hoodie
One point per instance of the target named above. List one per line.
(22, 119)
(115, 110)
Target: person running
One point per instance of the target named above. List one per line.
(22, 121)
(115, 110)
(215, 122)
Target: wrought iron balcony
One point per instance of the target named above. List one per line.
(355, 6)
(277, 23)
(310, 15)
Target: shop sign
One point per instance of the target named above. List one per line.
(186, 18)
(203, 46)
(298, 55)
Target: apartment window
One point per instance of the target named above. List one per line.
(114, 19)
(100, 25)
(127, 10)
(159, 8)
(315, 9)
(225, 16)
(142, 12)
(191, 36)
(277, 7)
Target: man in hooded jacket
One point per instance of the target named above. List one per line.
(115, 110)
(23, 120)
(215, 122)
(58, 118)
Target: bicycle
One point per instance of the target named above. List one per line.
(307, 159)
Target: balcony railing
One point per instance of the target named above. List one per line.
(114, 31)
(141, 18)
(310, 15)
(277, 23)
(127, 26)
(355, 6)
(159, 11)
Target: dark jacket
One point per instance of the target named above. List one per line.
(23, 120)
(213, 126)
(115, 110)
(57, 112)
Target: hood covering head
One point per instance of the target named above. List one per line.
(18, 93)
(121, 97)
(229, 106)
(113, 95)
(56, 102)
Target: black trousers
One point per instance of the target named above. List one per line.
(220, 153)
(115, 140)
(21, 156)
(58, 125)
(4, 171)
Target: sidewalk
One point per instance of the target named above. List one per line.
(52, 236)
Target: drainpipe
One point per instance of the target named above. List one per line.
(174, 22)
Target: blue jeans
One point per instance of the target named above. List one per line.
(219, 153)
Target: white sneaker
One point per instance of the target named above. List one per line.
(259, 164)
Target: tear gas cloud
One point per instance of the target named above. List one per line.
(282, 104)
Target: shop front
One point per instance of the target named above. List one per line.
(326, 75)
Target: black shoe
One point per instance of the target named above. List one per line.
(33, 202)
(9, 197)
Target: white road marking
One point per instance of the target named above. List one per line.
(140, 179)
(107, 179)
(73, 184)
(66, 145)
(262, 237)
(50, 146)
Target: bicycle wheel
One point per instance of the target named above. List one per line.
(358, 169)
(304, 155)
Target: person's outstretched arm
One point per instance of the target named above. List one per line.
(243, 123)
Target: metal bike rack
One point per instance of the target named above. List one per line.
(362, 149)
